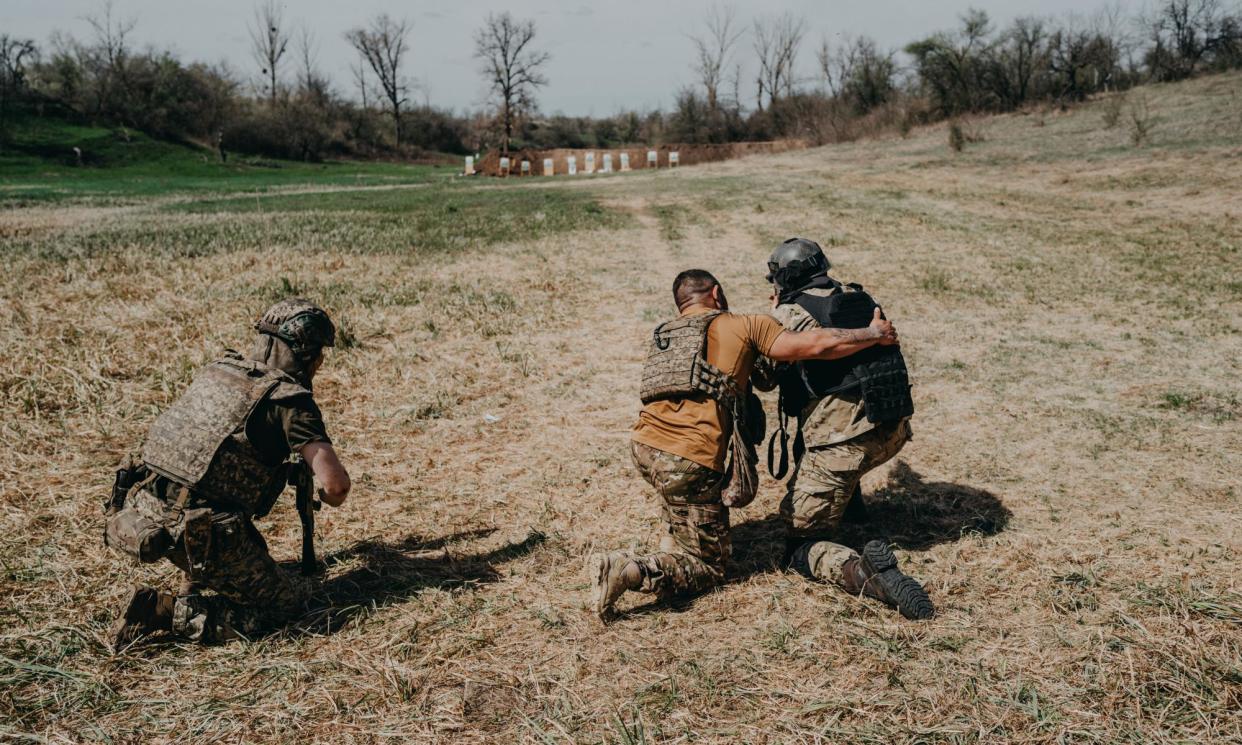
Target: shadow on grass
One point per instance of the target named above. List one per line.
(390, 572)
(908, 512)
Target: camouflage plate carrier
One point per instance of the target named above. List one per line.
(677, 367)
(200, 442)
(677, 364)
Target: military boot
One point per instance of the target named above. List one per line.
(613, 573)
(147, 612)
(875, 574)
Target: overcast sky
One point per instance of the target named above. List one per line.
(606, 56)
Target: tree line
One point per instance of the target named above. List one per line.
(748, 81)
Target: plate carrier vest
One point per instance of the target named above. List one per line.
(879, 371)
(200, 441)
(677, 365)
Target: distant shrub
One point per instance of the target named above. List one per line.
(972, 130)
(1113, 106)
(1140, 121)
(957, 138)
(905, 124)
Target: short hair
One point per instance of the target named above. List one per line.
(691, 285)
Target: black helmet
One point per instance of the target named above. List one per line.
(301, 324)
(796, 262)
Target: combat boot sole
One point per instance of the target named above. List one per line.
(889, 584)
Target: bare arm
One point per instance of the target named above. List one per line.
(327, 468)
(831, 344)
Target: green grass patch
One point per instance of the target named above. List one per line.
(38, 165)
(420, 221)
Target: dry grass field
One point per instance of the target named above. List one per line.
(1071, 308)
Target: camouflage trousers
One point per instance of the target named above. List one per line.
(224, 552)
(695, 549)
(824, 480)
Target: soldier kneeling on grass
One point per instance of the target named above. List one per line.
(852, 414)
(216, 459)
(696, 403)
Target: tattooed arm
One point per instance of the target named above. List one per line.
(831, 344)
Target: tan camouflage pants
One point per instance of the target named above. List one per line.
(824, 480)
(225, 553)
(694, 552)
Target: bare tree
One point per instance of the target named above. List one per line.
(776, 44)
(711, 51)
(1185, 33)
(858, 73)
(112, 45)
(383, 47)
(1079, 60)
(14, 56)
(510, 66)
(312, 83)
(268, 42)
(359, 71)
(1021, 53)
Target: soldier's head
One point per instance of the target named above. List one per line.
(302, 328)
(698, 287)
(795, 262)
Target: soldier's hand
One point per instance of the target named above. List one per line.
(883, 329)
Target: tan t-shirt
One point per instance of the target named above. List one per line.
(692, 427)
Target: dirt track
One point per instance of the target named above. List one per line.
(1070, 309)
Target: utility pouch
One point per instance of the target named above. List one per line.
(137, 536)
(742, 480)
(199, 527)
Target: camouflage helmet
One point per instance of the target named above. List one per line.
(795, 262)
(301, 324)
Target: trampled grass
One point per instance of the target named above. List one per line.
(1070, 309)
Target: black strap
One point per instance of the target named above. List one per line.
(799, 444)
(779, 473)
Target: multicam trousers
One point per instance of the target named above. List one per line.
(225, 553)
(824, 480)
(694, 552)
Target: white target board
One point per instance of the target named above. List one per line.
(625, 161)
(673, 159)
(526, 168)
(607, 163)
(571, 165)
(469, 165)
(504, 166)
(548, 168)
(653, 159)
(588, 163)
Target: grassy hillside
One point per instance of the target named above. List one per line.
(1070, 308)
(38, 163)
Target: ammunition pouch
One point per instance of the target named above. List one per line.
(137, 536)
